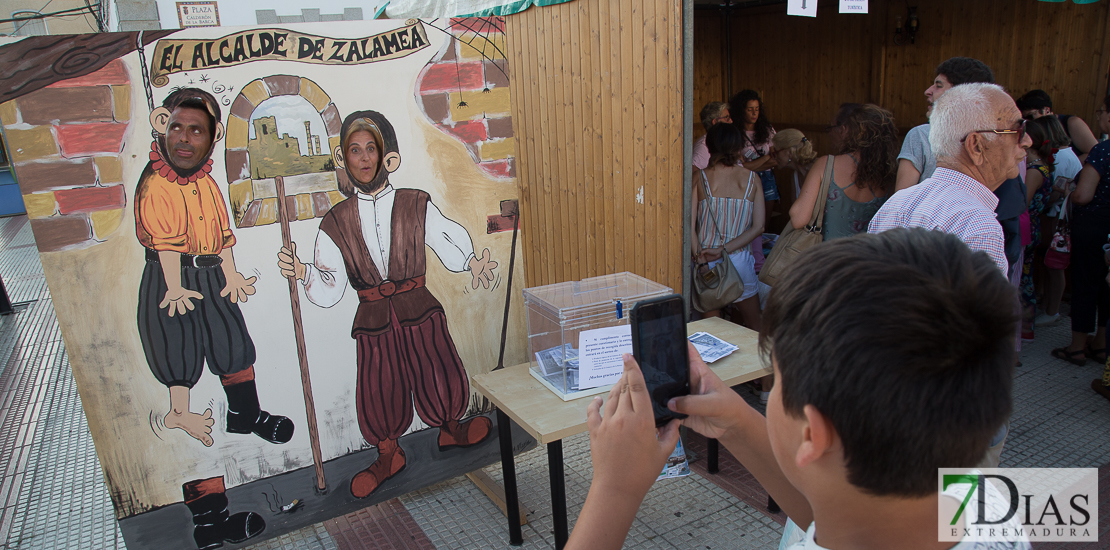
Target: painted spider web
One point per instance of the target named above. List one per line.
(476, 36)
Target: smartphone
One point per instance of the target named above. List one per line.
(660, 347)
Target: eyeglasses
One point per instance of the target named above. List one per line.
(1020, 131)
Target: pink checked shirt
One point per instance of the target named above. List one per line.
(951, 202)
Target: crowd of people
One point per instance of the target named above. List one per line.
(1042, 202)
(962, 241)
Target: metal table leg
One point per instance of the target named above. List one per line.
(713, 448)
(558, 492)
(772, 506)
(508, 471)
(5, 303)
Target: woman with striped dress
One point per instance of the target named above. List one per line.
(728, 214)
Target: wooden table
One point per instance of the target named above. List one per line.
(549, 419)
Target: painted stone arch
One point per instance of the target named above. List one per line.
(254, 199)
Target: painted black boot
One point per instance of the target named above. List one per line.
(212, 525)
(245, 416)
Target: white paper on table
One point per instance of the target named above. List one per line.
(853, 6)
(807, 8)
(600, 355)
(709, 347)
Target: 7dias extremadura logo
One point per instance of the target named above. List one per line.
(1016, 504)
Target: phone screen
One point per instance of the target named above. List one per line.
(659, 346)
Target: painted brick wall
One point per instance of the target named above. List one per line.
(65, 143)
(465, 92)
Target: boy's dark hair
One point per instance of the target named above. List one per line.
(736, 107)
(724, 142)
(905, 341)
(195, 98)
(1034, 99)
(962, 70)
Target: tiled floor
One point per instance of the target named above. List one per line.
(52, 493)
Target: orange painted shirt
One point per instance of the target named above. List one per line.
(182, 216)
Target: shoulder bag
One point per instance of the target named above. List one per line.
(720, 286)
(794, 241)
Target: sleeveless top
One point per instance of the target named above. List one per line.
(1064, 122)
(733, 216)
(845, 217)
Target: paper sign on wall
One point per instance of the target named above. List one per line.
(807, 8)
(600, 355)
(853, 6)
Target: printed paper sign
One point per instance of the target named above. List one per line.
(807, 8)
(198, 14)
(600, 355)
(853, 6)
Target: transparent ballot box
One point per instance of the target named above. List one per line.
(559, 313)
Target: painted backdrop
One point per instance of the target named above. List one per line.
(253, 409)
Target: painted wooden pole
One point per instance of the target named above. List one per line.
(302, 351)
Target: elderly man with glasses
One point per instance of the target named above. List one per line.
(978, 136)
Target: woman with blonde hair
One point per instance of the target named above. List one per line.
(794, 151)
(866, 164)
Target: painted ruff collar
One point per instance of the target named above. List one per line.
(166, 170)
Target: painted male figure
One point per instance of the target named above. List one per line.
(375, 240)
(188, 315)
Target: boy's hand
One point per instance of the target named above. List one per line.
(711, 405)
(238, 287)
(179, 300)
(627, 452)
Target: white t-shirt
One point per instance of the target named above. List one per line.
(971, 542)
(1067, 169)
(1067, 164)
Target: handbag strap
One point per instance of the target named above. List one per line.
(818, 216)
(1063, 216)
(712, 214)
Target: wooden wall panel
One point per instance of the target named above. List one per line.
(710, 68)
(597, 105)
(1058, 47)
(806, 67)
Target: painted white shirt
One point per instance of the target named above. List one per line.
(326, 278)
